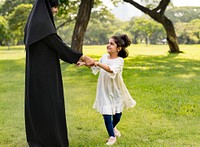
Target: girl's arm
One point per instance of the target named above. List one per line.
(103, 66)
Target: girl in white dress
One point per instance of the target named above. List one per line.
(112, 95)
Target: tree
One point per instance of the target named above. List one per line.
(189, 33)
(100, 27)
(3, 31)
(82, 20)
(183, 14)
(196, 29)
(158, 15)
(17, 20)
(145, 29)
(67, 12)
(9, 5)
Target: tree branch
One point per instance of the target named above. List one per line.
(62, 24)
(158, 15)
(140, 7)
(162, 6)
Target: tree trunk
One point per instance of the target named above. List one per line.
(82, 20)
(171, 36)
(158, 15)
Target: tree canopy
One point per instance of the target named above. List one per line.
(183, 14)
(17, 21)
(3, 30)
(102, 25)
(9, 5)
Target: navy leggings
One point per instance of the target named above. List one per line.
(111, 121)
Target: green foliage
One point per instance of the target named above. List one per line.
(99, 28)
(189, 33)
(17, 21)
(69, 10)
(9, 5)
(102, 24)
(147, 30)
(183, 14)
(3, 31)
(165, 86)
(97, 31)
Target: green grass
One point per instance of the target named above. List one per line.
(165, 86)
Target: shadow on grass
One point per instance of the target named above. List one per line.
(151, 80)
(161, 66)
(164, 84)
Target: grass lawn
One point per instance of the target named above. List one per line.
(165, 86)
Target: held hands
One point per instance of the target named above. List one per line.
(89, 61)
(85, 60)
(81, 63)
(95, 63)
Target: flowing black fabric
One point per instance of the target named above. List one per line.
(45, 119)
(40, 22)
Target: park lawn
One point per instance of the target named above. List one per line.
(165, 86)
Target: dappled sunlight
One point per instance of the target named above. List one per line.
(157, 123)
(167, 65)
(190, 51)
(139, 67)
(11, 54)
(165, 87)
(186, 76)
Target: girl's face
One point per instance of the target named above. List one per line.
(112, 47)
(54, 9)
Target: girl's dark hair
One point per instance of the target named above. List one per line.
(122, 41)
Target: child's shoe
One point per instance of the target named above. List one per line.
(117, 132)
(111, 140)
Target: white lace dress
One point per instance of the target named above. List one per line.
(112, 95)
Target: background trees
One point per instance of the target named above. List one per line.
(102, 24)
(158, 14)
(145, 30)
(82, 21)
(183, 14)
(8, 6)
(4, 35)
(16, 22)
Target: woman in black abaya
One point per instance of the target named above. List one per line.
(44, 100)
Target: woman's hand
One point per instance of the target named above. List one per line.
(80, 63)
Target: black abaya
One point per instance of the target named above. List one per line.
(44, 101)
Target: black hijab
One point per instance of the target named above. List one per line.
(40, 21)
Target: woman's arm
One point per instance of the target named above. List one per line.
(66, 53)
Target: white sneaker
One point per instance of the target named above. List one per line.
(117, 132)
(111, 141)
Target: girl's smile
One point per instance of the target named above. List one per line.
(111, 46)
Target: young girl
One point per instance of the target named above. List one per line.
(112, 95)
